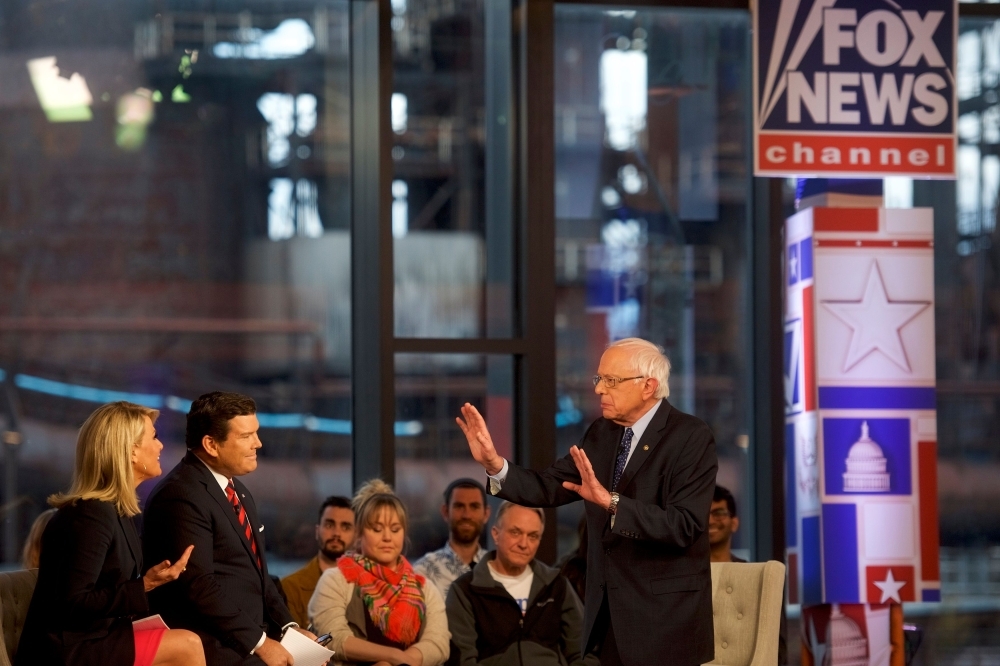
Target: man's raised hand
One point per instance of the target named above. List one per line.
(589, 487)
(473, 425)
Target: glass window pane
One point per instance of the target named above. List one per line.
(174, 220)
(451, 206)
(966, 272)
(431, 451)
(652, 188)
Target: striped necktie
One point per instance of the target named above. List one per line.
(623, 450)
(241, 515)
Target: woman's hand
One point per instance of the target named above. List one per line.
(412, 657)
(164, 572)
(401, 658)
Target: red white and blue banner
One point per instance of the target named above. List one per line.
(861, 434)
(846, 635)
(855, 88)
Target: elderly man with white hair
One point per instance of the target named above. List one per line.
(647, 474)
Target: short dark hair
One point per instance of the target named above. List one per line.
(463, 483)
(337, 502)
(210, 415)
(722, 494)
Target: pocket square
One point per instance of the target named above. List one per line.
(261, 529)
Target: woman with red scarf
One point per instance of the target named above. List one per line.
(378, 610)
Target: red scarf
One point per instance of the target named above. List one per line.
(394, 599)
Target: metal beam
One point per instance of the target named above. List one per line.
(373, 402)
(767, 448)
(535, 373)
(459, 346)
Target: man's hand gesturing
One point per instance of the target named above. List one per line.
(589, 487)
(473, 425)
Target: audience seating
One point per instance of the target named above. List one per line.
(16, 588)
(746, 603)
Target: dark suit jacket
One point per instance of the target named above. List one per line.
(223, 596)
(88, 592)
(654, 564)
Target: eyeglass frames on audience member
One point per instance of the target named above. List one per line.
(612, 382)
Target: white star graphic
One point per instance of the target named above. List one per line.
(793, 263)
(875, 322)
(890, 588)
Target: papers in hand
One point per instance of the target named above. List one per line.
(149, 623)
(305, 651)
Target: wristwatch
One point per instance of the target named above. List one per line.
(613, 507)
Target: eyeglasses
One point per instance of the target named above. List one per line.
(721, 514)
(612, 382)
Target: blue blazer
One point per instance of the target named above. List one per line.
(654, 563)
(89, 590)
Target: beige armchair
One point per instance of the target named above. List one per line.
(16, 588)
(746, 603)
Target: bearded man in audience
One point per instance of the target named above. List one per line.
(466, 512)
(334, 535)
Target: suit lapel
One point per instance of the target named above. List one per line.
(219, 495)
(604, 461)
(132, 539)
(646, 444)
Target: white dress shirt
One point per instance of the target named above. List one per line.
(638, 428)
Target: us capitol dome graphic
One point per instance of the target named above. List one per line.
(845, 644)
(866, 466)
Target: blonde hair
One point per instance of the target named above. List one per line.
(103, 468)
(33, 546)
(648, 360)
(371, 499)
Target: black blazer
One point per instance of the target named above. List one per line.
(223, 596)
(654, 564)
(88, 592)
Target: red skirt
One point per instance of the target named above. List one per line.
(147, 642)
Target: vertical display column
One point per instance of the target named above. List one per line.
(861, 431)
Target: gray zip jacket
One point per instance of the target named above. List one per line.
(488, 629)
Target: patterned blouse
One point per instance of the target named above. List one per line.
(443, 566)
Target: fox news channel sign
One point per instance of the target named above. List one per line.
(855, 88)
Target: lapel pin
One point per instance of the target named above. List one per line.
(646, 448)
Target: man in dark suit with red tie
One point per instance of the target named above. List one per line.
(647, 473)
(225, 595)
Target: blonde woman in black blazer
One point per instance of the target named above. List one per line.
(90, 580)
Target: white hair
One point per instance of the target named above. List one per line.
(648, 360)
(507, 506)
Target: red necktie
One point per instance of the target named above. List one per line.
(241, 515)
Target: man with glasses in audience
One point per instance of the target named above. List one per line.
(511, 609)
(647, 474)
(466, 512)
(722, 524)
